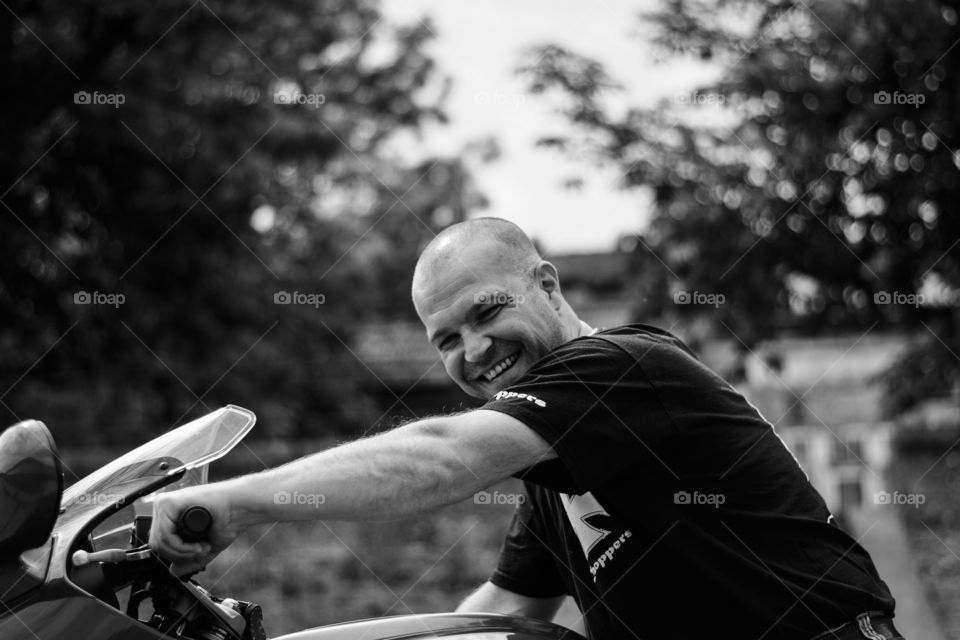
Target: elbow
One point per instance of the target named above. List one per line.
(439, 428)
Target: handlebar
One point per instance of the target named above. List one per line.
(181, 608)
(194, 524)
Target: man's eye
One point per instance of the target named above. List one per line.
(490, 312)
(449, 343)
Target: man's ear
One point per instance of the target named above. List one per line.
(549, 281)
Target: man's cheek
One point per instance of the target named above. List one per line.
(454, 368)
(451, 372)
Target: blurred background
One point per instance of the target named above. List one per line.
(216, 202)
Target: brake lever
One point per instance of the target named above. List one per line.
(245, 620)
(126, 557)
(113, 556)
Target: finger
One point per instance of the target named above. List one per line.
(185, 568)
(194, 564)
(173, 548)
(163, 531)
(169, 545)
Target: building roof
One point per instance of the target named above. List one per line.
(593, 269)
(828, 359)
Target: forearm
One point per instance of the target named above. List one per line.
(490, 598)
(405, 471)
(414, 468)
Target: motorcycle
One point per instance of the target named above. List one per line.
(75, 563)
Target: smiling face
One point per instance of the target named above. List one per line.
(488, 321)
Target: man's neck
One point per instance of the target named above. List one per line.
(585, 329)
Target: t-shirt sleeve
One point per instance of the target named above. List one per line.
(526, 566)
(593, 403)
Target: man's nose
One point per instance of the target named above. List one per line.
(475, 346)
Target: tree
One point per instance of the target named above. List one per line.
(184, 156)
(812, 183)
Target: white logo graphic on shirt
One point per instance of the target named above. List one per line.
(525, 396)
(588, 519)
(592, 524)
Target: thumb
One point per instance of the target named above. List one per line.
(182, 569)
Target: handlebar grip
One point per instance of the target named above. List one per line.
(194, 524)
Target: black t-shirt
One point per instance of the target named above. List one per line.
(673, 510)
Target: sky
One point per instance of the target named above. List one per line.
(479, 45)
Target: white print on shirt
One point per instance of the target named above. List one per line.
(607, 556)
(525, 396)
(592, 524)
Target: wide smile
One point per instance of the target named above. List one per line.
(500, 368)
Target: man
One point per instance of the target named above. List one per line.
(657, 496)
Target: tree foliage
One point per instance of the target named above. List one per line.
(812, 183)
(199, 158)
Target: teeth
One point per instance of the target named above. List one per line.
(506, 363)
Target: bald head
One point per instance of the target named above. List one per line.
(478, 244)
(490, 304)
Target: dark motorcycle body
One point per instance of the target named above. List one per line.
(57, 583)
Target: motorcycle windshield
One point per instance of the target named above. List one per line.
(191, 446)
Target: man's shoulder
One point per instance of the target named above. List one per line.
(610, 353)
(628, 338)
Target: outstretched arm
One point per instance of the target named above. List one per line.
(490, 598)
(413, 468)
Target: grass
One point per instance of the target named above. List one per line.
(934, 528)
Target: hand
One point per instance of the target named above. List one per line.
(189, 557)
